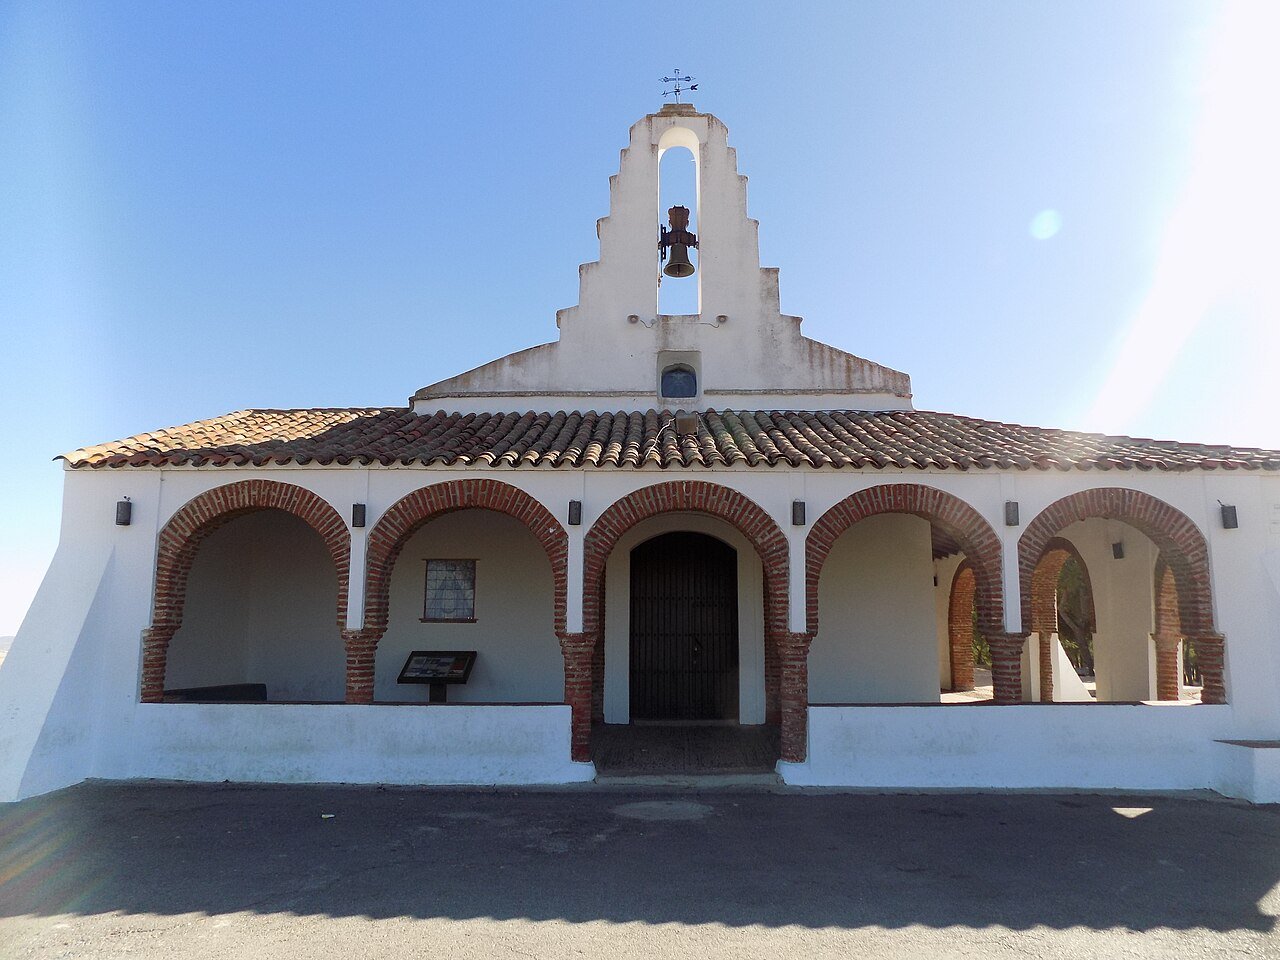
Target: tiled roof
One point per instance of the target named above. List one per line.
(891, 438)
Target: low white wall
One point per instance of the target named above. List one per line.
(1096, 746)
(336, 743)
(1249, 769)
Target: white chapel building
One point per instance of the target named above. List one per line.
(703, 519)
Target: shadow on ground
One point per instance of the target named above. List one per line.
(769, 858)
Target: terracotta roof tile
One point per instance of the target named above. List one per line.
(913, 439)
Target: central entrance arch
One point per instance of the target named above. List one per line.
(684, 628)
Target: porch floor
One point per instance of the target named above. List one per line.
(660, 748)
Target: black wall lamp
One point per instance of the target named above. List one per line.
(1229, 519)
(357, 514)
(124, 512)
(797, 513)
(1117, 550)
(1011, 513)
(575, 513)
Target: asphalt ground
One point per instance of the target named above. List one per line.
(147, 870)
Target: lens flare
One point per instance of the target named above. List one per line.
(1045, 224)
(1220, 247)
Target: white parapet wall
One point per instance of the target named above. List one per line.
(1249, 769)
(1086, 746)
(337, 743)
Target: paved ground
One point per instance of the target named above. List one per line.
(621, 749)
(109, 870)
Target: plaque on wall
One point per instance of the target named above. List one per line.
(438, 666)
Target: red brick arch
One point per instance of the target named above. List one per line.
(188, 528)
(1180, 542)
(978, 541)
(695, 496)
(1044, 586)
(404, 518)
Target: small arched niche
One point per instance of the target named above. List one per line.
(679, 377)
(679, 382)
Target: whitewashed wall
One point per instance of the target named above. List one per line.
(335, 743)
(262, 602)
(69, 687)
(518, 656)
(1100, 746)
(877, 639)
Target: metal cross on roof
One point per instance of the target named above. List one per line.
(677, 80)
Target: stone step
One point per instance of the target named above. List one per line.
(700, 781)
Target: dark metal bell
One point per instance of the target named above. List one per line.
(678, 264)
(677, 240)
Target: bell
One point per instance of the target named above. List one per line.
(678, 264)
(678, 239)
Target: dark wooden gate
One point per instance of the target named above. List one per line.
(684, 629)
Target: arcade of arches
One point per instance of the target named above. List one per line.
(685, 605)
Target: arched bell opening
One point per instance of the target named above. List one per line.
(679, 280)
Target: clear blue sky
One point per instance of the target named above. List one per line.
(1055, 213)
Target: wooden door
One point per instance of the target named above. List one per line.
(684, 629)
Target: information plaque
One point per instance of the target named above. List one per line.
(438, 668)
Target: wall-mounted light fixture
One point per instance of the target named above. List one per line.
(124, 512)
(1011, 513)
(575, 513)
(687, 424)
(1117, 550)
(357, 514)
(1229, 519)
(797, 513)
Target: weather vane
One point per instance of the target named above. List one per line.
(677, 80)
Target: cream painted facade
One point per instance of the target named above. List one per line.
(260, 600)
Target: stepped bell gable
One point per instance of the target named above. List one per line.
(663, 543)
(614, 345)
